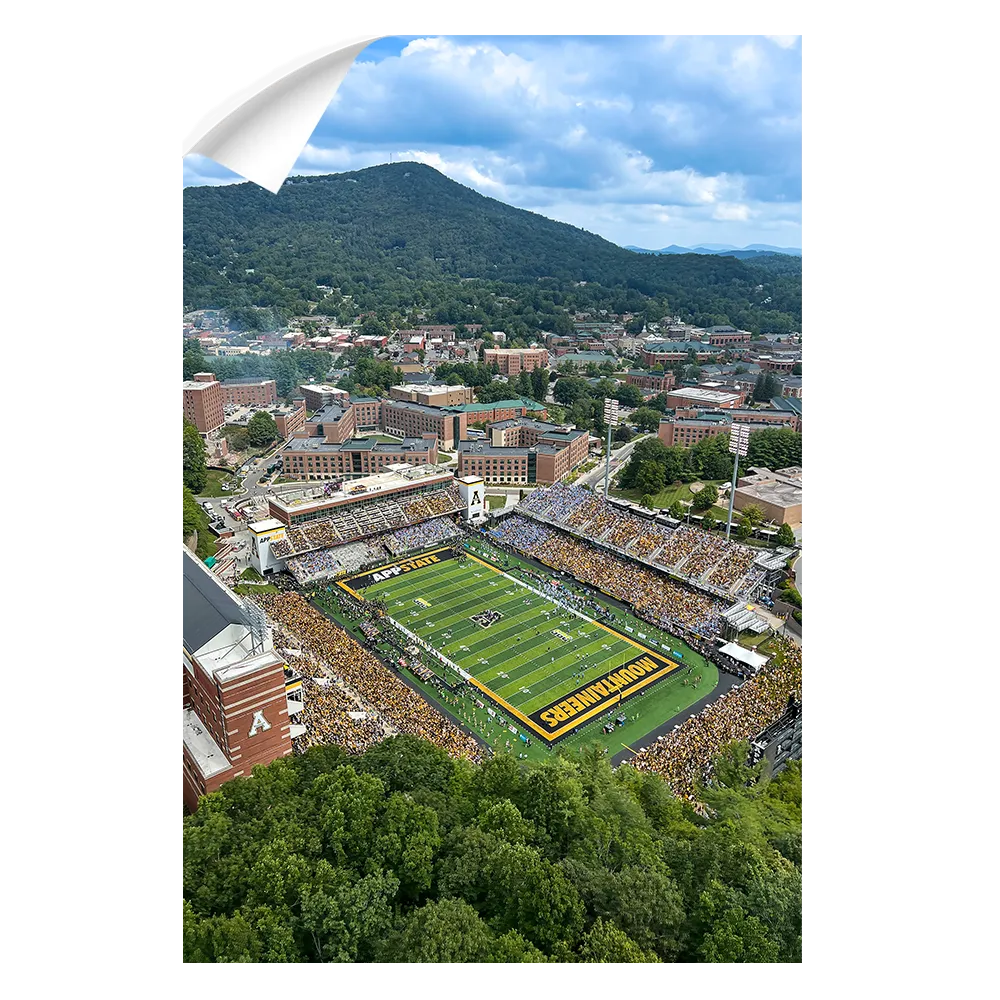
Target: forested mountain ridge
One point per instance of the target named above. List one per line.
(399, 235)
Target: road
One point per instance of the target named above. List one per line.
(619, 457)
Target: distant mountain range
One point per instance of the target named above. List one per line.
(725, 250)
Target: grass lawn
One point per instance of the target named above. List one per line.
(522, 660)
(494, 501)
(668, 495)
(250, 574)
(213, 488)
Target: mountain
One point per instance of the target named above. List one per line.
(724, 250)
(398, 235)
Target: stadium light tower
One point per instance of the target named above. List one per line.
(739, 442)
(611, 419)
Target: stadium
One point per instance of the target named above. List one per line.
(565, 620)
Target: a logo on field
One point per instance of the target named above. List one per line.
(260, 724)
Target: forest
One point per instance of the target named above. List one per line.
(405, 854)
(402, 239)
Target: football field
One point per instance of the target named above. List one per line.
(549, 667)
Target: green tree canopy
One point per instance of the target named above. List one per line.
(195, 466)
(261, 429)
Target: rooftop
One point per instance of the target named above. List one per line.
(704, 395)
(781, 494)
(200, 386)
(332, 412)
(317, 444)
(399, 476)
(207, 754)
(673, 346)
(259, 380)
(208, 607)
(506, 404)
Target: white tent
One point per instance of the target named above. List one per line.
(753, 660)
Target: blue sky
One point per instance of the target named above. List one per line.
(647, 141)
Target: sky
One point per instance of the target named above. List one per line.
(647, 141)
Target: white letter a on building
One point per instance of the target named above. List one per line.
(259, 723)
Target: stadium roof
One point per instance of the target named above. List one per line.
(208, 755)
(208, 607)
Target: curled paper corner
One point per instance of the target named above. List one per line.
(260, 131)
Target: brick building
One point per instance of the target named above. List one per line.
(686, 427)
(514, 360)
(654, 381)
(668, 352)
(317, 396)
(728, 337)
(778, 494)
(312, 458)
(238, 695)
(523, 450)
(203, 403)
(413, 420)
(432, 395)
(367, 413)
(687, 396)
(334, 423)
(249, 391)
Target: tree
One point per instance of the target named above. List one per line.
(195, 518)
(738, 937)
(786, 536)
(797, 368)
(705, 497)
(629, 395)
(606, 943)
(650, 477)
(647, 501)
(708, 518)
(753, 514)
(195, 467)
(262, 430)
(569, 390)
(623, 434)
(676, 510)
(744, 529)
(777, 448)
(646, 418)
(449, 930)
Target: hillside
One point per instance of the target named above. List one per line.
(402, 234)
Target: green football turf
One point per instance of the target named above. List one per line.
(519, 658)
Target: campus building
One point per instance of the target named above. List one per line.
(650, 381)
(687, 396)
(514, 360)
(313, 458)
(250, 392)
(668, 352)
(203, 403)
(778, 494)
(523, 450)
(334, 423)
(239, 697)
(317, 396)
(686, 427)
(728, 337)
(432, 395)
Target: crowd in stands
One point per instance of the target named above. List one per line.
(380, 690)
(685, 550)
(376, 516)
(684, 756)
(654, 598)
(326, 702)
(419, 536)
(335, 562)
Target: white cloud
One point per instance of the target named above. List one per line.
(730, 212)
(783, 41)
